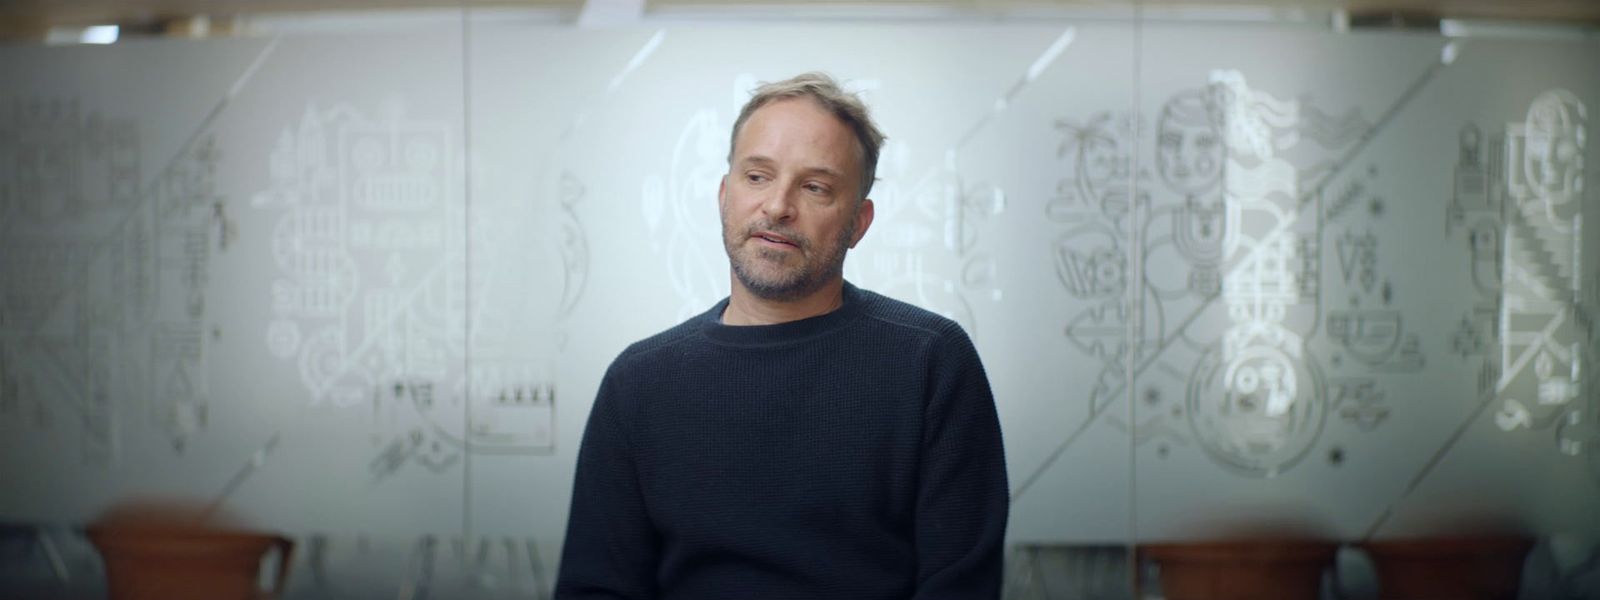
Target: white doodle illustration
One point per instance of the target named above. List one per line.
(928, 244)
(1228, 275)
(1543, 347)
(371, 303)
(682, 208)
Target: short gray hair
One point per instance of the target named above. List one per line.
(825, 91)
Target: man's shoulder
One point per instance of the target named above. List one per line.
(909, 319)
(647, 348)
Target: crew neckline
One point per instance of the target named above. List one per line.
(780, 333)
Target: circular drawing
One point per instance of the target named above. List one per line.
(1259, 411)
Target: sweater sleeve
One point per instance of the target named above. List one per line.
(962, 496)
(611, 550)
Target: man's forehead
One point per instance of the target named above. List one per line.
(816, 118)
(789, 125)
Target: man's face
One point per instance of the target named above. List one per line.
(789, 201)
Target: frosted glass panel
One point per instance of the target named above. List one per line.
(234, 273)
(1226, 280)
(1368, 253)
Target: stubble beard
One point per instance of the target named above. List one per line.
(762, 272)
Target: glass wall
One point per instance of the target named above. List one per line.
(1228, 280)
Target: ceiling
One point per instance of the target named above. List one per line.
(32, 19)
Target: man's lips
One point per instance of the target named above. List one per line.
(773, 239)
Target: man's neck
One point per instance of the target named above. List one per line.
(746, 308)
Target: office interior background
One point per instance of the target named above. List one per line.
(352, 272)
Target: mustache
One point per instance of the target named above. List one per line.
(794, 236)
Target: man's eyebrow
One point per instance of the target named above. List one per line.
(825, 171)
(762, 160)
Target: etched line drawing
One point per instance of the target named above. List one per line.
(1350, 194)
(1256, 401)
(1359, 401)
(1347, 139)
(111, 271)
(1540, 262)
(1162, 424)
(1358, 259)
(937, 211)
(371, 301)
(109, 266)
(1375, 338)
(363, 204)
(1540, 241)
(1096, 272)
(688, 194)
(1259, 411)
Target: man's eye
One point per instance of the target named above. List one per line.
(816, 188)
(755, 177)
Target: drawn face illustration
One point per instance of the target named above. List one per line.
(1189, 149)
(789, 201)
(1552, 158)
(1102, 160)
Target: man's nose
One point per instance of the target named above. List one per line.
(779, 205)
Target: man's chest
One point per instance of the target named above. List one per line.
(806, 456)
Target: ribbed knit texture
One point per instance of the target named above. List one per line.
(851, 455)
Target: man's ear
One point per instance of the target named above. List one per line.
(863, 221)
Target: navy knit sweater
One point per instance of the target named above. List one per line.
(850, 455)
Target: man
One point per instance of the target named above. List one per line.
(803, 438)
